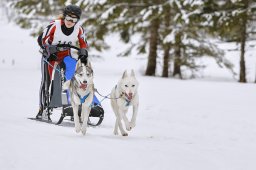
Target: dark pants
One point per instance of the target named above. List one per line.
(45, 81)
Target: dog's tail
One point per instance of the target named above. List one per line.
(66, 85)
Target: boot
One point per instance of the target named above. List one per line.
(39, 114)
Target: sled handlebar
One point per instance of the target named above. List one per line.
(59, 47)
(67, 46)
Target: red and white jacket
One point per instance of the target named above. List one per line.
(54, 35)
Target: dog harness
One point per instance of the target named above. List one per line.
(82, 99)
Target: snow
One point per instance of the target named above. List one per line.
(108, 12)
(170, 38)
(203, 124)
(146, 14)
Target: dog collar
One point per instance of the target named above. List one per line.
(82, 99)
(128, 102)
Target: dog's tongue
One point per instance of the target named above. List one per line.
(83, 86)
(129, 96)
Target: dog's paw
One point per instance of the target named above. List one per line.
(125, 134)
(83, 131)
(115, 132)
(128, 128)
(132, 125)
(78, 129)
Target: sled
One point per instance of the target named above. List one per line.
(54, 97)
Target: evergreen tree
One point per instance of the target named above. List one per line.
(189, 37)
(234, 22)
(135, 17)
(158, 22)
(166, 46)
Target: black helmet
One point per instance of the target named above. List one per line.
(72, 10)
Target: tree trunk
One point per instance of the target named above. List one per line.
(166, 60)
(242, 77)
(167, 46)
(151, 67)
(177, 57)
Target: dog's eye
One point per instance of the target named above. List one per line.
(88, 74)
(133, 85)
(126, 85)
(80, 75)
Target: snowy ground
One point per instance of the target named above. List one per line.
(182, 125)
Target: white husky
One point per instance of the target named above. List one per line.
(123, 95)
(81, 91)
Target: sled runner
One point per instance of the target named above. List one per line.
(52, 96)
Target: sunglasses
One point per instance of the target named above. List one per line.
(71, 19)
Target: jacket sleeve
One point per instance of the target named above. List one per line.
(81, 38)
(39, 40)
(48, 34)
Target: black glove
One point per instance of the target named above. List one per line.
(49, 50)
(83, 55)
(52, 57)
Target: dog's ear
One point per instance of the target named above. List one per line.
(124, 74)
(66, 85)
(132, 73)
(89, 64)
(78, 64)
